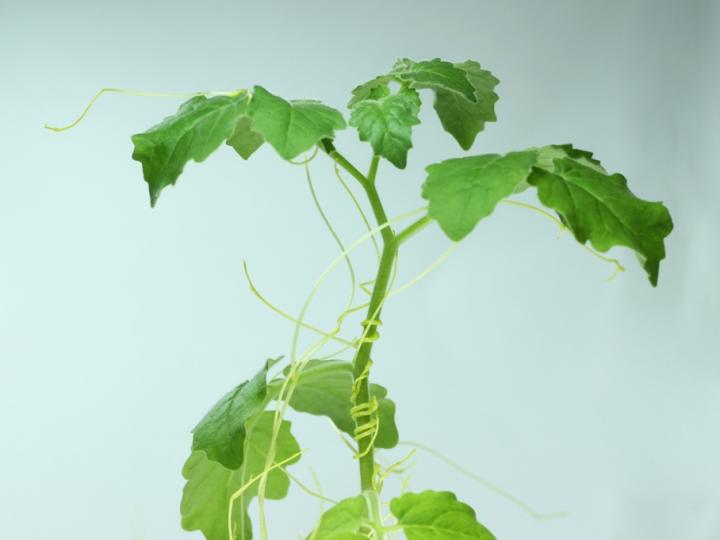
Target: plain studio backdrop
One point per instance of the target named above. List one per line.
(121, 325)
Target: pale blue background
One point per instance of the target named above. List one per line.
(120, 326)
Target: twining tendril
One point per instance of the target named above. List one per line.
(307, 160)
(399, 467)
(140, 93)
(298, 362)
(241, 490)
(486, 484)
(366, 415)
(286, 315)
(618, 266)
(306, 489)
(358, 207)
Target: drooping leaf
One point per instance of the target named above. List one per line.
(386, 122)
(463, 191)
(244, 140)
(343, 521)
(221, 432)
(199, 127)
(324, 388)
(600, 208)
(464, 119)
(437, 515)
(292, 127)
(436, 75)
(546, 156)
(210, 486)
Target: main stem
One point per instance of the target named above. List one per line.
(382, 280)
(362, 357)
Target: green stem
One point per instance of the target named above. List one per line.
(412, 229)
(387, 233)
(382, 280)
(372, 173)
(329, 148)
(362, 358)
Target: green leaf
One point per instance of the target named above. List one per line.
(463, 191)
(600, 208)
(324, 388)
(436, 75)
(199, 127)
(209, 487)
(343, 521)
(374, 88)
(437, 515)
(546, 156)
(221, 433)
(386, 122)
(464, 119)
(244, 140)
(292, 127)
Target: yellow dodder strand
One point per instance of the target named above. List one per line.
(618, 266)
(128, 92)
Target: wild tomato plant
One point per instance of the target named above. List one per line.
(243, 448)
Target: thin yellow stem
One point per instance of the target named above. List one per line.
(128, 92)
(286, 315)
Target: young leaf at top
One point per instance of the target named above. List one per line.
(244, 140)
(324, 389)
(209, 487)
(221, 432)
(462, 191)
(343, 521)
(600, 208)
(437, 515)
(199, 127)
(292, 127)
(465, 80)
(368, 90)
(464, 119)
(386, 122)
(436, 75)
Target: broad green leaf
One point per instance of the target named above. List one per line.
(386, 122)
(244, 140)
(221, 433)
(464, 119)
(324, 388)
(437, 515)
(209, 487)
(343, 521)
(199, 127)
(463, 191)
(292, 127)
(600, 208)
(436, 75)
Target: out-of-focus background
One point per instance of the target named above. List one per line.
(121, 325)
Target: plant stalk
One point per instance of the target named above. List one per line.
(362, 358)
(360, 366)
